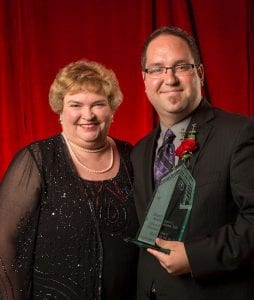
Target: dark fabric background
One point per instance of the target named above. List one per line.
(37, 37)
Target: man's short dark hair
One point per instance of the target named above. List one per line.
(176, 32)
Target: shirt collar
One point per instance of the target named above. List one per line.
(177, 128)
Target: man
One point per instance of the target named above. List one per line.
(215, 258)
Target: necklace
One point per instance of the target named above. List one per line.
(90, 150)
(73, 154)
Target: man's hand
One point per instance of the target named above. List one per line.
(176, 263)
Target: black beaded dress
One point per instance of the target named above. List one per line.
(61, 237)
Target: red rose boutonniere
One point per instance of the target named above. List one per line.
(188, 144)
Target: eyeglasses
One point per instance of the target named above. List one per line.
(181, 69)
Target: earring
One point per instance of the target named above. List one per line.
(60, 121)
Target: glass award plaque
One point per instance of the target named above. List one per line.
(169, 210)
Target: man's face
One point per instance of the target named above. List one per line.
(174, 96)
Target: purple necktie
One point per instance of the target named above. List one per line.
(165, 158)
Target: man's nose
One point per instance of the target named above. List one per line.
(170, 76)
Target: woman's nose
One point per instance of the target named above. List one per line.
(87, 114)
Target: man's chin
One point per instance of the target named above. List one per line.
(175, 107)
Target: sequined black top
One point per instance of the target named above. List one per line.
(61, 237)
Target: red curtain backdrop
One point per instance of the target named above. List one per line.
(37, 37)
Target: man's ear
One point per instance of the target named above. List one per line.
(201, 73)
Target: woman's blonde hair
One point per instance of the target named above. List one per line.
(84, 75)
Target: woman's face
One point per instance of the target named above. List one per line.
(86, 118)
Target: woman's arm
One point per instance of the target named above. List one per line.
(19, 200)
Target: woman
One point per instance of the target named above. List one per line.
(66, 202)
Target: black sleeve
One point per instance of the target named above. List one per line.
(19, 201)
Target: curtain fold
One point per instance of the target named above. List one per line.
(39, 37)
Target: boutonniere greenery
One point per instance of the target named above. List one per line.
(188, 144)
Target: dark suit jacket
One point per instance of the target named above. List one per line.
(219, 240)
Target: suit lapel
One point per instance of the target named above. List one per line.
(202, 117)
(148, 162)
